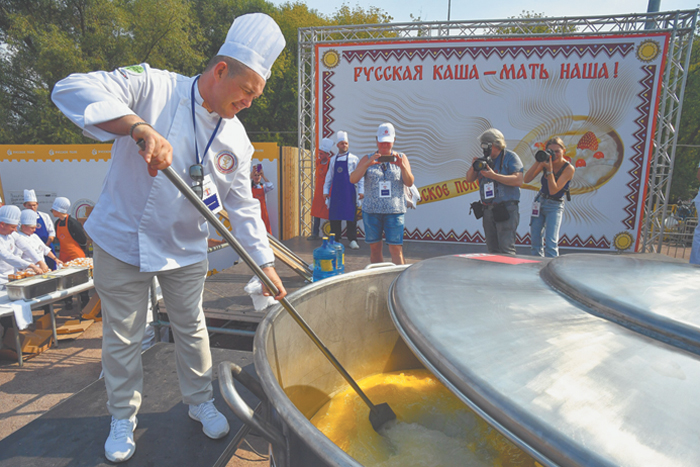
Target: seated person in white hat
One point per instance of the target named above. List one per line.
(143, 227)
(28, 222)
(44, 226)
(343, 194)
(13, 246)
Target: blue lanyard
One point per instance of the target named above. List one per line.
(194, 123)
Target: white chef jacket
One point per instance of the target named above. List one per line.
(36, 246)
(12, 247)
(353, 160)
(145, 221)
(49, 222)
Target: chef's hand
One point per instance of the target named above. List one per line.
(44, 268)
(212, 242)
(272, 274)
(35, 268)
(155, 149)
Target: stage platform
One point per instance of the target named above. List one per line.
(73, 432)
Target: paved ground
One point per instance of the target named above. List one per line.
(51, 377)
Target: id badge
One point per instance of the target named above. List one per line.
(385, 189)
(211, 196)
(489, 190)
(535, 209)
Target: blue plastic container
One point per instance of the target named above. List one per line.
(324, 261)
(340, 254)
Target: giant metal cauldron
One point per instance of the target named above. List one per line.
(583, 360)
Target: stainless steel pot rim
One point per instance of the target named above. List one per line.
(321, 445)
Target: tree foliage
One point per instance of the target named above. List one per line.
(43, 41)
(685, 168)
(535, 23)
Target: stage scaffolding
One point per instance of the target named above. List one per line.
(680, 24)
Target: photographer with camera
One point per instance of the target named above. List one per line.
(500, 174)
(548, 207)
(385, 173)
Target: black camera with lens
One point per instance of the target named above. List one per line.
(482, 162)
(543, 156)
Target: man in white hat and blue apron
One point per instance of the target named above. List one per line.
(143, 227)
(44, 224)
(343, 194)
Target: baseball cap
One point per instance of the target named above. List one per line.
(386, 133)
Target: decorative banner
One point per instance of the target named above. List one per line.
(599, 94)
(77, 172)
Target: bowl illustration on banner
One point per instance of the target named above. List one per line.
(595, 149)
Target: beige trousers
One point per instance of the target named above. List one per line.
(123, 290)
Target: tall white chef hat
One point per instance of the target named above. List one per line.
(254, 40)
(9, 214)
(28, 217)
(29, 195)
(61, 204)
(326, 145)
(341, 136)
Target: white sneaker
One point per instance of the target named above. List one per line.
(120, 445)
(354, 245)
(214, 424)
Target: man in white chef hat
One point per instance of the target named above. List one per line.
(44, 225)
(142, 227)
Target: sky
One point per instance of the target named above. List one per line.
(436, 10)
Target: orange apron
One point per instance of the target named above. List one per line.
(259, 194)
(318, 206)
(69, 247)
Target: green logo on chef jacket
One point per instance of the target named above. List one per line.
(135, 69)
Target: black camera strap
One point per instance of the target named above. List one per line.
(558, 174)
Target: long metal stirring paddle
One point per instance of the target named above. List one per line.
(378, 414)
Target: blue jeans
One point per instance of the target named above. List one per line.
(547, 223)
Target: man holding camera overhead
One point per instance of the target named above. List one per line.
(500, 174)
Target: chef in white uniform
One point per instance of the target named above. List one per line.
(28, 222)
(13, 246)
(44, 228)
(142, 226)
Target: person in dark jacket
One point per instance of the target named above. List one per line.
(72, 239)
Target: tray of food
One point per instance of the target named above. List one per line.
(31, 287)
(80, 263)
(70, 277)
